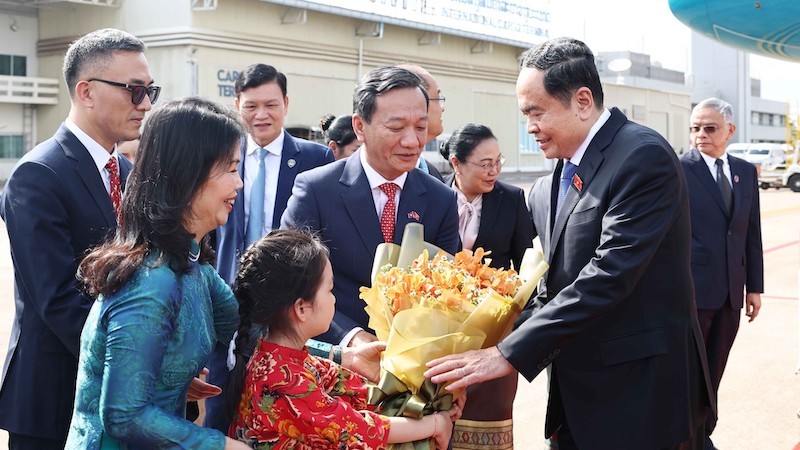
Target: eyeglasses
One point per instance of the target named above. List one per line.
(440, 100)
(709, 129)
(488, 166)
(138, 91)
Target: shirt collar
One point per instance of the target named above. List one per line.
(375, 179)
(275, 147)
(99, 155)
(578, 156)
(710, 160)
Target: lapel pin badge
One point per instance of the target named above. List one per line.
(291, 163)
(577, 182)
(736, 178)
(413, 215)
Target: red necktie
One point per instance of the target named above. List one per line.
(387, 216)
(115, 185)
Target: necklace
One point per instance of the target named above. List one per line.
(193, 257)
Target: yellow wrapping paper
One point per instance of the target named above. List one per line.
(423, 330)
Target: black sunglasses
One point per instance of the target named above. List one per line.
(138, 91)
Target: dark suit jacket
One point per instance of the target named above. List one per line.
(336, 200)
(505, 227)
(55, 207)
(433, 171)
(230, 237)
(726, 252)
(617, 317)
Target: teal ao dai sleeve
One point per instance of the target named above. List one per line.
(140, 349)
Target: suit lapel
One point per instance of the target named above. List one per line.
(87, 172)
(700, 170)
(125, 167)
(238, 205)
(286, 175)
(737, 175)
(590, 163)
(355, 196)
(490, 209)
(412, 204)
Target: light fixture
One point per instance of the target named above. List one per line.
(14, 27)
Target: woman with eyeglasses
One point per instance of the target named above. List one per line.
(339, 135)
(160, 305)
(492, 215)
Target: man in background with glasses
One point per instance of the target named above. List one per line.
(62, 198)
(727, 260)
(435, 110)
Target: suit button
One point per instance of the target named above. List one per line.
(557, 351)
(540, 367)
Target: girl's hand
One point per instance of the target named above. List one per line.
(444, 430)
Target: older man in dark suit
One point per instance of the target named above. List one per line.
(616, 318)
(61, 199)
(358, 202)
(727, 259)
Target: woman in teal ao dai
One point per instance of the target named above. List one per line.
(160, 305)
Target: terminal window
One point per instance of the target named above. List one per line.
(13, 65)
(527, 143)
(12, 146)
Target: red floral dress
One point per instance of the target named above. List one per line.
(292, 400)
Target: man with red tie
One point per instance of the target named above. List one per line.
(358, 202)
(62, 198)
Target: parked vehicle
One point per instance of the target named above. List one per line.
(791, 177)
(767, 156)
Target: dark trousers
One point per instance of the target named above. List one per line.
(22, 442)
(695, 442)
(719, 327)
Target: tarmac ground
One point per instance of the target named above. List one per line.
(759, 396)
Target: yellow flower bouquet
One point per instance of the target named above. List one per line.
(427, 304)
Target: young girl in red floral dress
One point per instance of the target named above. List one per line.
(290, 399)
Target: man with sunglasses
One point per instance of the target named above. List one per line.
(727, 260)
(62, 198)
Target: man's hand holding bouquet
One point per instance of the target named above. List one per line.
(427, 304)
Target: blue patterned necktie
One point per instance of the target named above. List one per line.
(566, 179)
(255, 221)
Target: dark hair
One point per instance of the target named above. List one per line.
(182, 143)
(379, 81)
(568, 65)
(256, 75)
(338, 129)
(93, 51)
(278, 269)
(464, 140)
